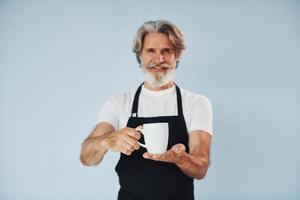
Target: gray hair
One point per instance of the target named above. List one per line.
(159, 26)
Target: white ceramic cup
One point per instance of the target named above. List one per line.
(156, 137)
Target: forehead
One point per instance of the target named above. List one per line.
(156, 40)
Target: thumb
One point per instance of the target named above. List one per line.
(139, 129)
(178, 148)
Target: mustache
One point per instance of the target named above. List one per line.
(163, 65)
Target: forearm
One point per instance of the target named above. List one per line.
(194, 166)
(93, 150)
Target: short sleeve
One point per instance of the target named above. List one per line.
(202, 115)
(110, 112)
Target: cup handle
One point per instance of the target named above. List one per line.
(142, 131)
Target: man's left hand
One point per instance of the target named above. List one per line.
(174, 155)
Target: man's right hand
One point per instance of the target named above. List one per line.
(124, 140)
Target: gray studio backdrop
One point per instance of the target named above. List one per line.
(60, 60)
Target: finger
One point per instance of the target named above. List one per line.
(124, 150)
(121, 146)
(150, 156)
(132, 141)
(162, 157)
(165, 157)
(127, 146)
(134, 133)
(146, 155)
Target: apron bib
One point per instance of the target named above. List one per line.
(143, 179)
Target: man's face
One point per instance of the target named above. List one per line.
(158, 59)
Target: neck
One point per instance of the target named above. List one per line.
(153, 88)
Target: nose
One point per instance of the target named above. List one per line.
(160, 58)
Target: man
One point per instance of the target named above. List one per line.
(158, 46)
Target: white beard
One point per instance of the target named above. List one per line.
(159, 79)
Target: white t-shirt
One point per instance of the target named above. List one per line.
(197, 109)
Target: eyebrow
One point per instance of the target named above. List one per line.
(168, 49)
(163, 49)
(148, 48)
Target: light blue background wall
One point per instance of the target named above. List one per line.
(60, 60)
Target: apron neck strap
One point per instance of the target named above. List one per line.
(135, 104)
(179, 101)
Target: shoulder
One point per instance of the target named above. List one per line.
(193, 98)
(121, 99)
(120, 96)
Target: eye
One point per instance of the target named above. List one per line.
(167, 51)
(150, 50)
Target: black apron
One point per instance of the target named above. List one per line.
(143, 179)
